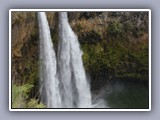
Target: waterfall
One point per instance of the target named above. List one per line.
(74, 87)
(49, 88)
(63, 84)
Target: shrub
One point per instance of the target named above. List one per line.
(34, 104)
(20, 97)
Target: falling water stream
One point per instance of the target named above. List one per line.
(75, 87)
(49, 88)
(63, 83)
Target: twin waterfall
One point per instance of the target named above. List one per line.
(63, 81)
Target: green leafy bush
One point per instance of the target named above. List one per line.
(34, 104)
(20, 97)
(115, 30)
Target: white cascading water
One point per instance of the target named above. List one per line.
(49, 88)
(75, 88)
(67, 85)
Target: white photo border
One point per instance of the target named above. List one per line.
(78, 109)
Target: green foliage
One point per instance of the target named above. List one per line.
(34, 104)
(137, 32)
(116, 59)
(20, 97)
(115, 29)
(121, 30)
(117, 55)
(92, 37)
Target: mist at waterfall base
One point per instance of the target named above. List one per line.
(63, 81)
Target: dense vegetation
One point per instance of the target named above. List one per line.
(114, 44)
(20, 96)
(116, 50)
